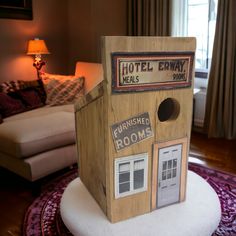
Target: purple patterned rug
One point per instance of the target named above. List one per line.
(43, 216)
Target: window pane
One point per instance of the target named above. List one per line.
(169, 174)
(138, 179)
(139, 165)
(125, 187)
(174, 163)
(124, 177)
(174, 173)
(212, 24)
(169, 164)
(198, 27)
(201, 24)
(164, 175)
(164, 165)
(124, 167)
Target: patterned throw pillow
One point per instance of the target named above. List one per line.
(10, 86)
(61, 89)
(10, 106)
(20, 96)
(16, 85)
(46, 77)
(30, 98)
(36, 85)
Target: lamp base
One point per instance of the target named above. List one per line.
(38, 65)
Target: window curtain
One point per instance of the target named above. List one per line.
(149, 17)
(220, 119)
(179, 17)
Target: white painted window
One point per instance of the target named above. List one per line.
(131, 175)
(196, 18)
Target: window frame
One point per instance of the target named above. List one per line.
(180, 29)
(203, 72)
(200, 73)
(131, 160)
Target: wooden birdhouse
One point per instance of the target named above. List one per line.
(133, 129)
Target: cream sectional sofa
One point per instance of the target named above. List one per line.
(39, 142)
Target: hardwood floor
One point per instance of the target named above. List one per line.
(16, 195)
(216, 153)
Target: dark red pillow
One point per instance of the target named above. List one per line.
(30, 98)
(10, 106)
(36, 85)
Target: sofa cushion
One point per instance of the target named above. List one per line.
(42, 164)
(41, 111)
(26, 137)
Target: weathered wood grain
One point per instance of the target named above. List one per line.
(94, 120)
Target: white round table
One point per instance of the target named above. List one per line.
(199, 215)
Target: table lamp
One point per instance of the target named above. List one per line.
(37, 47)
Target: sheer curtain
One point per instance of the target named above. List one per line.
(220, 117)
(149, 17)
(179, 15)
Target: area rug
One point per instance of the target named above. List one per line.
(43, 215)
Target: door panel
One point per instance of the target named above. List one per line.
(168, 179)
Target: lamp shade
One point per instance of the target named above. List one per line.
(37, 46)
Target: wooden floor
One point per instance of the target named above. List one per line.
(15, 193)
(216, 153)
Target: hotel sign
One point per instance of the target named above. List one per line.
(131, 131)
(151, 71)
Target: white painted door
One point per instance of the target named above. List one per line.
(169, 167)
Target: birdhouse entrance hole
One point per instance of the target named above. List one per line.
(168, 110)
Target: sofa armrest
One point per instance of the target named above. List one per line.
(91, 96)
(92, 72)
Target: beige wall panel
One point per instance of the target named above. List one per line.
(91, 144)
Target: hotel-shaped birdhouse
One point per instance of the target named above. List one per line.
(133, 128)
